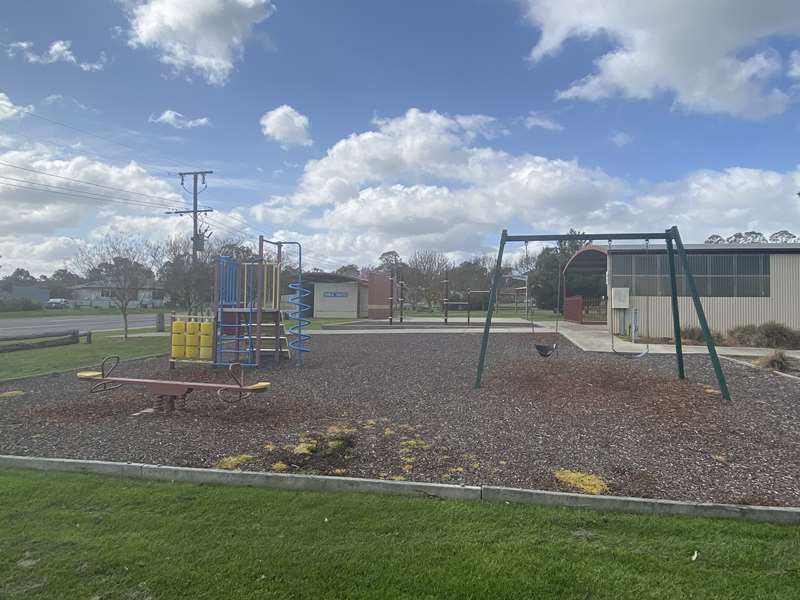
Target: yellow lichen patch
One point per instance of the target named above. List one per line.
(306, 447)
(454, 470)
(388, 431)
(414, 443)
(710, 390)
(408, 467)
(269, 446)
(586, 482)
(335, 444)
(233, 462)
(370, 424)
(503, 462)
(445, 477)
(12, 394)
(340, 471)
(397, 478)
(476, 465)
(339, 429)
(279, 466)
(410, 459)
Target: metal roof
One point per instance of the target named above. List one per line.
(320, 277)
(710, 248)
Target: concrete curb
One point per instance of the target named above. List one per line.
(486, 493)
(629, 504)
(279, 481)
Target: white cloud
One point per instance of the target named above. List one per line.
(197, 36)
(701, 52)
(794, 65)
(65, 100)
(177, 120)
(421, 181)
(9, 110)
(59, 51)
(535, 119)
(620, 138)
(287, 126)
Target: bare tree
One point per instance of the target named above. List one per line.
(425, 271)
(119, 263)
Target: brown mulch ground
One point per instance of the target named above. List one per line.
(402, 406)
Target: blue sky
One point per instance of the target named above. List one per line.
(689, 115)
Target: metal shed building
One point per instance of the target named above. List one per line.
(738, 284)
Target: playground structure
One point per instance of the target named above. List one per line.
(674, 246)
(171, 392)
(247, 322)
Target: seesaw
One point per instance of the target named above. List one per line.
(170, 391)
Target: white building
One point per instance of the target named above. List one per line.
(337, 296)
(97, 294)
(738, 284)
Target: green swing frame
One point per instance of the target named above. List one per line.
(674, 245)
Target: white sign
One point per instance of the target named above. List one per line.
(620, 297)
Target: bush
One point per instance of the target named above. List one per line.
(768, 335)
(777, 361)
(695, 334)
(13, 304)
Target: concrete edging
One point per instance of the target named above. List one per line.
(486, 493)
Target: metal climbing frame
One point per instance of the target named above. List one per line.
(300, 338)
(674, 245)
(246, 295)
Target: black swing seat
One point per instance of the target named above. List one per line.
(545, 350)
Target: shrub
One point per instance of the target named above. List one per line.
(777, 361)
(776, 335)
(695, 334)
(768, 335)
(12, 304)
(744, 335)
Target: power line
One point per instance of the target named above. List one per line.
(97, 198)
(84, 182)
(100, 137)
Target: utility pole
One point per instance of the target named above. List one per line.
(198, 237)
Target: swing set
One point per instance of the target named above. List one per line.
(675, 247)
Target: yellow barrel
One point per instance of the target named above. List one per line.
(192, 327)
(178, 326)
(205, 341)
(178, 352)
(205, 353)
(192, 351)
(207, 328)
(178, 339)
(192, 339)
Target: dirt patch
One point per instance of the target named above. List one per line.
(402, 406)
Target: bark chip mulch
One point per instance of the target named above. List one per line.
(402, 407)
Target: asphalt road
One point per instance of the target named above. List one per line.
(56, 323)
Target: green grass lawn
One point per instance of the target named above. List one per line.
(46, 360)
(86, 536)
(73, 312)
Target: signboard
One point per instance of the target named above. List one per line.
(335, 294)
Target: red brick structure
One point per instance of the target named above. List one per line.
(380, 289)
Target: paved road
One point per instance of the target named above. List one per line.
(56, 323)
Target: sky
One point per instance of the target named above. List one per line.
(357, 127)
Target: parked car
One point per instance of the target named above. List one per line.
(57, 303)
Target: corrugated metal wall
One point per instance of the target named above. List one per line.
(783, 304)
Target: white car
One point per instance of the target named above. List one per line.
(57, 303)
